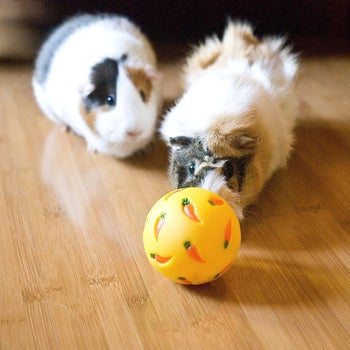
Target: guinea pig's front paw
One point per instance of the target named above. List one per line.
(95, 146)
(91, 148)
(64, 128)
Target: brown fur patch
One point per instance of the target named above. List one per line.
(206, 62)
(142, 82)
(250, 39)
(88, 116)
(234, 137)
(241, 138)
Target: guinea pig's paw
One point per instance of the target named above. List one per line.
(95, 145)
(91, 148)
(64, 128)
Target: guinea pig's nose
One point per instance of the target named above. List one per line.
(133, 133)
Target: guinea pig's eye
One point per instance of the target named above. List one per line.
(143, 95)
(192, 168)
(110, 100)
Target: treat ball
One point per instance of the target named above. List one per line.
(191, 236)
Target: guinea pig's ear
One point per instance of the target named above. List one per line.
(85, 89)
(180, 141)
(154, 74)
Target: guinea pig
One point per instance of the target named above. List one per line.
(97, 75)
(233, 126)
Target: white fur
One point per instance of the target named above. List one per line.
(68, 82)
(216, 183)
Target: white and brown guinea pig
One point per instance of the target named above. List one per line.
(97, 75)
(233, 126)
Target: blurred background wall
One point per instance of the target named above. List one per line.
(24, 23)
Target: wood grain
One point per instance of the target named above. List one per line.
(73, 273)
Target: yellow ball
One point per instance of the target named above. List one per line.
(191, 236)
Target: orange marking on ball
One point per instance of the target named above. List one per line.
(160, 259)
(189, 209)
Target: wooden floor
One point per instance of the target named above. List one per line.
(73, 273)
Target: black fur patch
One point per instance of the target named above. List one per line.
(236, 167)
(103, 77)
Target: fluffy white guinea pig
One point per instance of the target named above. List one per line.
(234, 125)
(97, 75)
